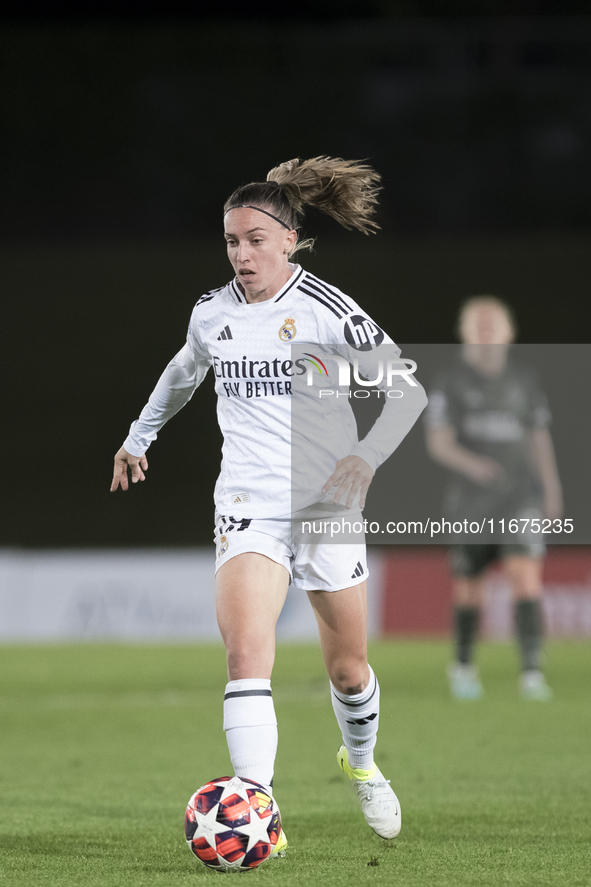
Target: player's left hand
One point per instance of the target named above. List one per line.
(353, 474)
(553, 507)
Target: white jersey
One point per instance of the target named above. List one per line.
(249, 348)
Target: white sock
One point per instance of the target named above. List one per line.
(358, 718)
(251, 729)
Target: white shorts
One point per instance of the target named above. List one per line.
(318, 566)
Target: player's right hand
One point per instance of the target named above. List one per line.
(483, 470)
(123, 459)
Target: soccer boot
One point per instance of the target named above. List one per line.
(464, 682)
(379, 804)
(533, 686)
(280, 846)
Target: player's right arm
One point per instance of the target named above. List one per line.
(442, 443)
(174, 389)
(443, 447)
(123, 461)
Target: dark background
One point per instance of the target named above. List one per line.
(121, 136)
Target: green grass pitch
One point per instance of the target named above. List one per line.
(102, 745)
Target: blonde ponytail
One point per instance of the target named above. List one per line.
(346, 190)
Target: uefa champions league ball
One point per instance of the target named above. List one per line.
(232, 824)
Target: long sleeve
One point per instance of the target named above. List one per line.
(174, 389)
(399, 413)
(371, 351)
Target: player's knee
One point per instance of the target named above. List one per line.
(349, 677)
(467, 591)
(247, 660)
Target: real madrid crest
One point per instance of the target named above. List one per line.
(288, 331)
(223, 545)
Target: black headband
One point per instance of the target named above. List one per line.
(251, 206)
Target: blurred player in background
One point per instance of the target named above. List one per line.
(244, 331)
(487, 422)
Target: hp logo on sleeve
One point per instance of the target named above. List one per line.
(362, 334)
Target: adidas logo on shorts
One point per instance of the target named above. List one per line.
(358, 571)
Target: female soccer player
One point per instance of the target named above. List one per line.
(244, 331)
(488, 422)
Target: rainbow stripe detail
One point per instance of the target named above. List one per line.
(316, 362)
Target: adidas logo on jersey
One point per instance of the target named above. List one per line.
(240, 498)
(226, 333)
(358, 571)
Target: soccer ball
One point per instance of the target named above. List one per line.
(232, 824)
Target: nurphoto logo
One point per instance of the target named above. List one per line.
(391, 371)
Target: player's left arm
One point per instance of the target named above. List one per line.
(353, 474)
(542, 449)
(399, 412)
(544, 458)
